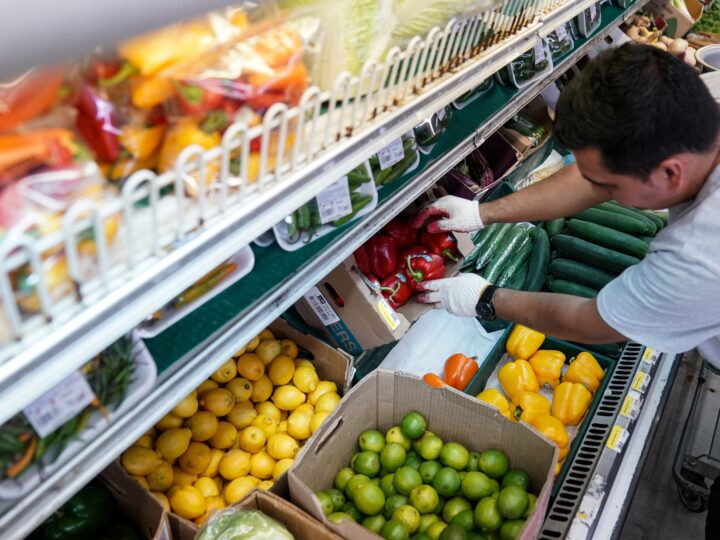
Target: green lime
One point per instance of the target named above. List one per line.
(453, 532)
(392, 503)
(371, 440)
(426, 520)
(394, 530)
(446, 482)
(386, 484)
(369, 499)
(413, 425)
(464, 520)
(476, 485)
(337, 517)
(510, 530)
(436, 530)
(453, 507)
(474, 462)
(342, 477)
(413, 460)
(353, 511)
(416, 442)
(424, 498)
(337, 496)
(428, 470)
(395, 435)
(494, 463)
(367, 463)
(474, 535)
(430, 447)
(421, 536)
(439, 508)
(392, 457)
(495, 488)
(461, 474)
(375, 481)
(486, 515)
(517, 477)
(353, 484)
(406, 479)
(512, 502)
(326, 502)
(374, 523)
(409, 516)
(532, 501)
(454, 455)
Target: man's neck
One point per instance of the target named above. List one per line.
(703, 170)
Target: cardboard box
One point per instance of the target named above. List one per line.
(352, 316)
(671, 20)
(537, 110)
(379, 402)
(145, 511)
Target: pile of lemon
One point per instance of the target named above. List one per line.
(240, 429)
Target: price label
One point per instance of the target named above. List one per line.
(650, 355)
(631, 406)
(59, 404)
(388, 314)
(562, 33)
(540, 54)
(641, 382)
(319, 304)
(593, 12)
(392, 154)
(618, 437)
(334, 201)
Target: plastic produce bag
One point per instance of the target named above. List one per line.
(29, 95)
(240, 524)
(429, 132)
(560, 42)
(399, 157)
(526, 68)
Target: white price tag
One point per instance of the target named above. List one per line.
(391, 154)
(593, 12)
(561, 33)
(540, 55)
(59, 404)
(321, 307)
(617, 439)
(631, 406)
(334, 201)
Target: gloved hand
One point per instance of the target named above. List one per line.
(457, 295)
(461, 215)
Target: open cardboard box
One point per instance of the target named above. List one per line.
(380, 401)
(674, 22)
(537, 110)
(353, 316)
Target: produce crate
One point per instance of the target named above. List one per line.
(488, 365)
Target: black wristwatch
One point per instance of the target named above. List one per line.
(484, 307)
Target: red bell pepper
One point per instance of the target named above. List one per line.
(401, 232)
(97, 123)
(442, 243)
(199, 98)
(424, 267)
(396, 289)
(382, 255)
(362, 260)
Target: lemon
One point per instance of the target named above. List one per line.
(281, 370)
(196, 458)
(250, 366)
(203, 425)
(305, 408)
(266, 334)
(218, 401)
(234, 464)
(268, 350)
(303, 362)
(205, 386)
(262, 389)
(298, 425)
(250, 347)
(141, 480)
(212, 505)
(219, 482)
(284, 415)
(182, 478)
(252, 439)
(242, 414)
(161, 478)
(323, 387)
(267, 424)
(169, 421)
(269, 409)
(265, 484)
(171, 444)
(164, 501)
(317, 419)
(282, 427)
(187, 502)
(261, 465)
(140, 461)
(241, 351)
(306, 379)
(224, 437)
(225, 373)
(187, 407)
(327, 402)
(146, 441)
(282, 446)
(212, 469)
(281, 466)
(236, 490)
(288, 397)
(289, 348)
(240, 388)
(152, 432)
(206, 486)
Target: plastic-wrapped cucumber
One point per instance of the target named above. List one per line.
(480, 239)
(517, 281)
(498, 237)
(517, 240)
(517, 262)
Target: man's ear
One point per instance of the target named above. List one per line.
(670, 174)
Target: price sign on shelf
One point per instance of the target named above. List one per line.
(617, 439)
(641, 382)
(334, 201)
(391, 154)
(631, 406)
(650, 355)
(59, 404)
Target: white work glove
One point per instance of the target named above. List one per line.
(457, 295)
(461, 215)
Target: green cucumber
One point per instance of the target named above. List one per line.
(580, 273)
(554, 226)
(610, 238)
(499, 236)
(614, 220)
(539, 259)
(480, 239)
(664, 215)
(516, 263)
(618, 208)
(592, 254)
(505, 252)
(659, 223)
(518, 280)
(647, 239)
(564, 286)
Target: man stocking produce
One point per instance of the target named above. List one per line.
(645, 132)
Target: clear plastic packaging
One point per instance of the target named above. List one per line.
(430, 130)
(528, 67)
(396, 159)
(560, 42)
(589, 20)
(236, 522)
(477, 92)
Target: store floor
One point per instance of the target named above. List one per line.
(656, 511)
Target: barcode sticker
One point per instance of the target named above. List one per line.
(59, 404)
(334, 201)
(641, 382)
(392, 154)
(618, 437)
(562, 33)
(631, 406)
(540, 55)
(650, 355)
(388, 314)
(321, 307)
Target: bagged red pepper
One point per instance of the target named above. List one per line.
(442, 243)
(382, 255)
(396, 289)
(401, 231)
(424, 267)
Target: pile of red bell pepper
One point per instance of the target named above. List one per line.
(400, 257)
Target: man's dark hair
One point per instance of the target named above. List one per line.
(638, 105)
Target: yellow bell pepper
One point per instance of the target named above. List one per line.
(562, 454)
(147, 92)
(523, 342)
(494, 397)
(530, 405)
(553, 429)
(517, 376)
(547, 366)
(182, 135)
(586, 371)
(570, 402)
(141, 141)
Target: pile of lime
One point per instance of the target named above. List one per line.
(410, 484)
